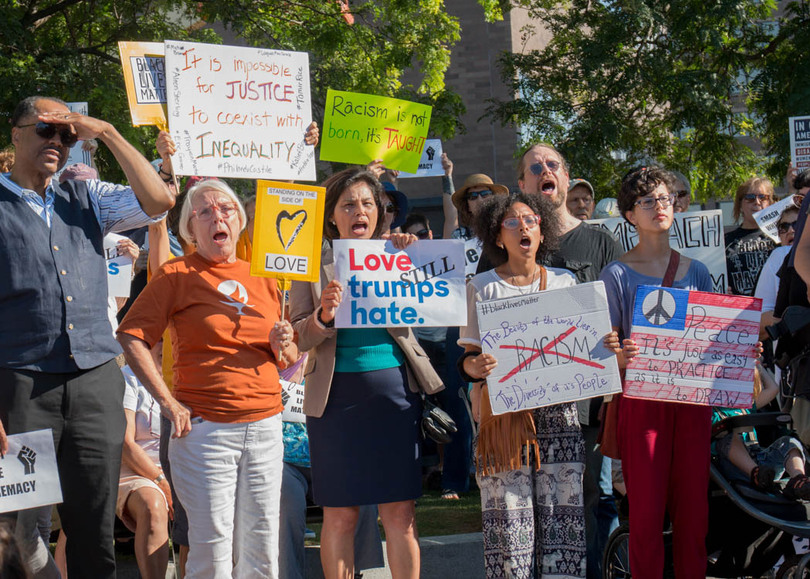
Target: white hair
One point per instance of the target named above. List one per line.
(208, 184)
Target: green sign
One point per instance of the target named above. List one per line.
(358, 128)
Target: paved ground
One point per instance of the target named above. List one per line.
(445, 557)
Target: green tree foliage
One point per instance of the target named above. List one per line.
(629, 81)
(68, 48)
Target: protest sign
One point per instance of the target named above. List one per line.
(423, 285)
(695, 347)
(292, 397)
(28, 474)
(358, 128)
(77, 154)
(239, 112)
(767, 218)
(697, 235)
(473, 249)
(799, 142)
(145, 79)
(549, 347)
(430, 165)
(288, 231)
(119, 268)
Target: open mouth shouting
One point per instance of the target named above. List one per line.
(548, 187)
(360, 228)
(525, 242)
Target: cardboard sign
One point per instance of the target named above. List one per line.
(473, 250)
(382, 287)
(288, 232)
(695, 347)
(145, 79)
(28, 474)
(430, 165)
(767, 218)
(119, 268)
(549, 347)
(292, 397)
(239, 112)
(697, 235)
(799, 142)
(358, 128)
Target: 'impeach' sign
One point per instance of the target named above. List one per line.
(695, 347)
(422, 285)
(358, 128)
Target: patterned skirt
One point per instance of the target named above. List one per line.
(534, 520)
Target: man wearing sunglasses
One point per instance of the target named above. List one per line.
(57, 366)
(584, 250)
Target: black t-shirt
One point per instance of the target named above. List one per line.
(747, 250)
(584, 251)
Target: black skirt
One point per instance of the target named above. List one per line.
(365, 449)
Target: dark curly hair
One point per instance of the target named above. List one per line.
(640, 182)
(337, 184)
(487, 224)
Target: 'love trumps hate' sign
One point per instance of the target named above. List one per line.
(695, 347)
(422, 285)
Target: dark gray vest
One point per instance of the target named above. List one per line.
(53, 285)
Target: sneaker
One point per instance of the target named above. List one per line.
(762, 478)
(449, 495)
(798, 488)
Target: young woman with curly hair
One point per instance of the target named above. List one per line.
(529, 463)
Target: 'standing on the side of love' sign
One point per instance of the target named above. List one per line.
(694, 347)
(549, 347)
(422, 285)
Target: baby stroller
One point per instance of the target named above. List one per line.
(749, 530)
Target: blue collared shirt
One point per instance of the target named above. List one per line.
(116, 206)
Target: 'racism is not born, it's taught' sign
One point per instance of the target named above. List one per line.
(695, 347)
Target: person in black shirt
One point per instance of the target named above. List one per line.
(747, 247)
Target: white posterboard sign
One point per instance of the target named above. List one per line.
(694, 347)
(549, 346)
(239, 112)
(29, 476)
(799, 142)
(473, 250)
(422, 285)
(77, 154)
(697, 235)
(119, 268)
(767, 218)
(292, 397)
(430, 165)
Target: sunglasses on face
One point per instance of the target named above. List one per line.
(650, 202)
(48, 130)
(207, 213)
(390, 208)
(530, 221)
(473, 195)
(422, 234)
(756, 197)
(537, 168)
(786, 226)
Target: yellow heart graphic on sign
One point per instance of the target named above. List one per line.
(289, 226)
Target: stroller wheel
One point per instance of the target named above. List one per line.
(616, 562)
(787, 570)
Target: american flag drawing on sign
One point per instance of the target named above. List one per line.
(695, 347)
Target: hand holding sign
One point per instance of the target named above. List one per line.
(330, 300)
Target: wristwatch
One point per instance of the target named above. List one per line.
(328, 324)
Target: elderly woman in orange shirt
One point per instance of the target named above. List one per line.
(227, 340)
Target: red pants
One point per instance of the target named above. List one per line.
(665, 450)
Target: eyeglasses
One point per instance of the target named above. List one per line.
(207, 213)
(756, 197)
(530, 221)
(537, 168)
(390, 208)
(681, 194)
(786, 226)
(422, 234)
(48, 130)
(472, 195)
(650, 202)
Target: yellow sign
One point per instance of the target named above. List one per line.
(288, 233)
(145, 78)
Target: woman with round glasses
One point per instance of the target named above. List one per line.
(228, 340)
(664, 445)
(529, 463)
(747, 247)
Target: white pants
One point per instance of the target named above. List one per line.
(228, 477)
